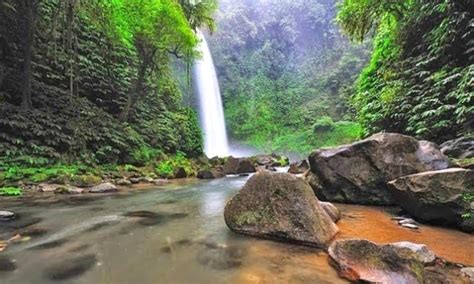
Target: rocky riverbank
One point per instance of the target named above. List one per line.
(385, 169)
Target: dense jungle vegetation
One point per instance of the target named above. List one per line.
(291, 81)
(286, 73)
(91, 81)
(95, 82)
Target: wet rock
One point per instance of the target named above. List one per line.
(359, 172)
(180, 173)
(263, 160)
(469, 272)
(424, 254)
(6, 215)
(103, 188)
(362, 260)
(149, 218)
(410, 226)
(69, 190)
(33, 232)
(210, 174)
(279, 206)
(238, 166)
(6, 264)
(299, 167)
(161, 181)
(332, 211)
(86, 180)
(137, 180)
(123, 182)
(221, 257)
(461, 148)
(437, 196)
(71, 268)
(270, 168)
(444, 274)
(20, 222)
(45, 187)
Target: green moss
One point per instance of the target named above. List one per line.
(248, 218)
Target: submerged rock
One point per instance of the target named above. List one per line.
(221, 257)
(332, 211)
(362, 260)
(437, 197)
(71, 268)
(359, 172)
(103, 188)
(279, 206)
(6, 264)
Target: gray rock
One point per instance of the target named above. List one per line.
(437, 197)
(136, 180)
(359, 172)
(46, 187)
(69, 190)
(332, 211)
(6, 215)
(279, 206)
(123, 182)
(426, 255)
(299, 167)
(161, 181)
(469, 271)
(103, 188)
(410, 226)
(365, 261)
(461, 148)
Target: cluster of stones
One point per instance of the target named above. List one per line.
(385, 169)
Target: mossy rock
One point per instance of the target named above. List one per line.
(279, 206)
(85, 180)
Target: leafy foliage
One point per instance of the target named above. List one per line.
(85, 69)
(282, 66)
(10, 191)
(420, 78)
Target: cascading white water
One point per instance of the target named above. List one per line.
(211, 112)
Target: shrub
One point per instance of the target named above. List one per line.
(10, 191)
(324, 124)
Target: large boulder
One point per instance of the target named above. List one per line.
(461, 148)
(279, 206)
(238, 166)
(359, 172)
(437, 197)
(364, 261)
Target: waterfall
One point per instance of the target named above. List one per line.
(211, 112)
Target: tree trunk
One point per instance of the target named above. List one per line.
(29, 9)
(135, 91)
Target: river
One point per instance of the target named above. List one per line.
(176, 234)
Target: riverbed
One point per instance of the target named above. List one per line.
(176, 234)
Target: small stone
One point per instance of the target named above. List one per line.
(410, 226)
(123, 182)
(69, 190)
(6, 215)
(407, 221)
(103, 188)
(136, 180)
(161, 181)
(44, 187)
